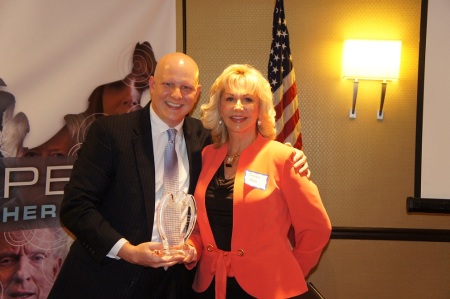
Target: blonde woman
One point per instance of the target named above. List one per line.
(248, 195)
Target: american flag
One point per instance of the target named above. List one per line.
(281, 76)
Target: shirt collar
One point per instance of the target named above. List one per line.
(159, 126)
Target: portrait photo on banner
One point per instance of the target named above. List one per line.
(62, 67)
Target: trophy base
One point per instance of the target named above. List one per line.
(182, 250)
(173, 252)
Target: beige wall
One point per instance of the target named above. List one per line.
(364, 168)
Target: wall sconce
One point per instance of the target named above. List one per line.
(371, 60)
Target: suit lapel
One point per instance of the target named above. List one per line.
(194, 148)
(143, 148)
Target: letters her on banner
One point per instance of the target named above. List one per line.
(32, 190)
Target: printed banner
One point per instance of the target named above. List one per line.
(63, 64)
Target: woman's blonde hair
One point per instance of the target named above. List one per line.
(236, 77)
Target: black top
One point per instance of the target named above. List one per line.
(219, 208)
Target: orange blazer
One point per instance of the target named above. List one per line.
(269, 196)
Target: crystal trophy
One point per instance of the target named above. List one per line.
(175, 219)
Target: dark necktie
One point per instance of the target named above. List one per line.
(171, 164)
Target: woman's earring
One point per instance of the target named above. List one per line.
(259, 122)
(220, 121)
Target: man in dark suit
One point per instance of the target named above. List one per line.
(116, 183)
(110, 201)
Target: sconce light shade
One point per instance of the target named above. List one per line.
(371, 59)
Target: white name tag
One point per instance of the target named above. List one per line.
(257, 180)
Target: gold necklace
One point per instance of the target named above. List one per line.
(230, 160)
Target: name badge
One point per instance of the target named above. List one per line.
(256, 180)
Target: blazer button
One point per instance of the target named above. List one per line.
(209, 247)
(240, 252)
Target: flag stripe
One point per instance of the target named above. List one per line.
(288, 97)
(289, 125)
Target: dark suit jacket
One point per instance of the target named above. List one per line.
(111, 194)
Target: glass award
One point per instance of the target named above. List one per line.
(175, 219)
